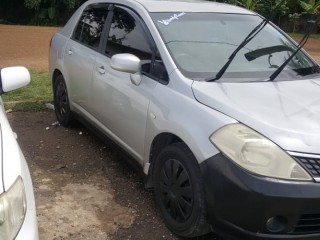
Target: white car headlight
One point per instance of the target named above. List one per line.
(257, 154)
(13, 207)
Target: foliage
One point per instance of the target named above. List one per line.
(252, 5)
(32, 4)
(38, 12)
(289, 11)
(294, 17)
(50, 11)
(265, 7)
(57, 12)
(269, 6)
(311, 6)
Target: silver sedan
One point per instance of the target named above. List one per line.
(217, 106)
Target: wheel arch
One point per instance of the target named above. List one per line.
(55, 74)
(159, 142)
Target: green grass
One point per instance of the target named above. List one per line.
(32, 97)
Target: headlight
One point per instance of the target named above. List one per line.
(256, 153)
(13, 207)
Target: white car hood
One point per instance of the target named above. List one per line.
(286, 112)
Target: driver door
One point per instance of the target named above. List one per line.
(120, 106)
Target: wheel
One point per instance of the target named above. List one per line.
(61, 102)
(179, 191)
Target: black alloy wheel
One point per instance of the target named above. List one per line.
(176, 190)
(61, 102)
(179, 191)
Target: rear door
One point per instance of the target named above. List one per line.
(119, 105)
(80, 55)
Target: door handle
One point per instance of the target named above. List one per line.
(101, 70)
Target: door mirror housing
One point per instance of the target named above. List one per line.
(12, 78)
(128, 63)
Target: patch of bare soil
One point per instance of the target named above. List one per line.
(313, 48)
(82, 191)
(84, 188)
(25, 46)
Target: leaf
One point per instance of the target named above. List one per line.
(51, 12)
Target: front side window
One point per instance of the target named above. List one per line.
(126, 35)
(201, 44)
(89, 29)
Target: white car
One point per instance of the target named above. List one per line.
(17, 205)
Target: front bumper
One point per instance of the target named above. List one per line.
(240, 204)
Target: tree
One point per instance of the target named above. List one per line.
(274, 6)
(268, 6)
(310, 7)
(252, 5)
(51, 11)
(294, 17)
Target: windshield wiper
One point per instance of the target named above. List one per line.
(248, 38)
(299, 47)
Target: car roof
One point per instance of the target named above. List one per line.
(190, 6)
(180, 6)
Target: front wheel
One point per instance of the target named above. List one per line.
(179, 191)
(61, 102)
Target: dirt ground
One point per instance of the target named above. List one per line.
(84, 189)
(25, 46)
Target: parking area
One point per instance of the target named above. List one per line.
(84, 188)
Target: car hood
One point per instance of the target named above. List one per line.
(286, 112)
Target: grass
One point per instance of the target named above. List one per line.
(32, 97)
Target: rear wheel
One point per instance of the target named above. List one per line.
(179, 191)
(61, 102)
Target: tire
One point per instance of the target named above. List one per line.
(179, 191)
(61, 102)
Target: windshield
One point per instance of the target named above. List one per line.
(201, 44)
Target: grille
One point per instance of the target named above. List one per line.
(312, 165)
(308, 224)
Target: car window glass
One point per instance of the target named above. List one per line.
(126, 35)
(78, 29)
(201, 43)
(90, 26)
(159, 70)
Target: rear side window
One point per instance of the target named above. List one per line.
(90, 27)
(126, 35)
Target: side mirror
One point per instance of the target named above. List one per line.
(12, 78)
(128, 63)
